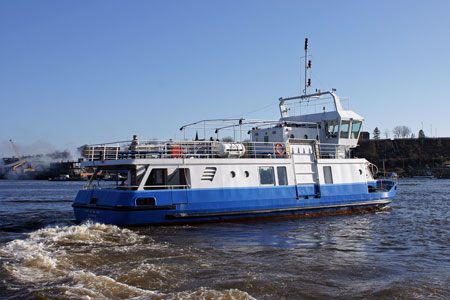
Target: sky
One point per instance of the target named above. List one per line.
(84, 72)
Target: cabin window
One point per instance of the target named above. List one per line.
(179, 178)
(331, 129)
(345, 127)
(266, 175)
(157, 177)
(327, 174)
(266, 139)
(282, 176)
(356, 126)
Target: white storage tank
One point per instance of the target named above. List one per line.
(230, 150)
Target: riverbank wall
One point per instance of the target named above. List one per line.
(408, 157)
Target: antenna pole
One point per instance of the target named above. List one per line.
(306, 65)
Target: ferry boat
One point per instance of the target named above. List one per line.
(299, 165)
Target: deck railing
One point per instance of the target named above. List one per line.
(182, 149)
(201, 149)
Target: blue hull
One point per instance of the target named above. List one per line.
(122, 207)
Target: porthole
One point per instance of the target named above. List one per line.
(233, 174)
(360, 172)
(247, 174)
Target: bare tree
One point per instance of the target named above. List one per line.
(401, 131)
(386, 132)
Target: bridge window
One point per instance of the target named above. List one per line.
(266, 175)
(331, 129)
(356, 126)
(345, 127)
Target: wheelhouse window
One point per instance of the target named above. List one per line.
(331, 129)
(266, 175)
(345, 128)
(282, 176)
(356, 127)
(328, 175)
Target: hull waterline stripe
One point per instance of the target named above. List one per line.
(276, 210)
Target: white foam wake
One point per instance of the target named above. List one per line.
(96, 261)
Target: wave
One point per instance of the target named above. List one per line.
(97, 261)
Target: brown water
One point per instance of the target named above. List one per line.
(399, 253)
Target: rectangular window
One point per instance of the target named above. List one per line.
(157, 177)
(282, 176)
(328, 175)
(331, 129)
(266, 139)
(345, 127)
(356, 126)
(266, 175)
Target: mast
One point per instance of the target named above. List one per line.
(307, 66)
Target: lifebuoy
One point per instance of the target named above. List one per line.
(279, 149)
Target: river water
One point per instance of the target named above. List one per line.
(402, 252)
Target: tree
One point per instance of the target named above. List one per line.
(376, 133)
(401, 131)
(386, 132)
(421, 134)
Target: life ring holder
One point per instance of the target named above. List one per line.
(279, 149)
(373, 168)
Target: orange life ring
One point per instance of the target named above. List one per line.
(279, 149)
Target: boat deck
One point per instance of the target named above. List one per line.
(208, 149)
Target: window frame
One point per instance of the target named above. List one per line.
(260, 177)
(284, 175)
(327, 175)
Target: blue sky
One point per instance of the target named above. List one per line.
(80, 72)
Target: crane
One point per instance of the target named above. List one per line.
(15, 149)
(20, 162)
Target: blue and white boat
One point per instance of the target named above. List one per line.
(298, 165)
